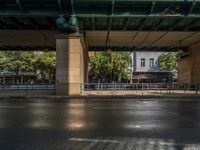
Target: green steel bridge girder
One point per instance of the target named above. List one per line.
(108, 7)
(129, 23)
(103, 15)
(97, 14)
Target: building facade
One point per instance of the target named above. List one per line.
(146, 68)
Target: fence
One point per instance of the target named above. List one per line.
(27, 89)
(105, 89)
(139, 88)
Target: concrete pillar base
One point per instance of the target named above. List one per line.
(66, 89)
(69, 64)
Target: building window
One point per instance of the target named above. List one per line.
(142, 62)
(151, 62)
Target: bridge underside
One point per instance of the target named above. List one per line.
(120, 25)
(158, 25)
(44, 40)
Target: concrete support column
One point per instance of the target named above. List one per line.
(195, 62)
(184, 70)
(69, 64)
(188, 67)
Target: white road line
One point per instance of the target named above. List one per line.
(20, 107)
(94, 140)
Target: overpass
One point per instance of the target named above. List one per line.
(134, 25)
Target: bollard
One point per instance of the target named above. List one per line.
(98, 89)
(101, 89)
(26, 89)
(133, 88)
(125, 89)
(142, 89)
(136, 89)
(113, 89)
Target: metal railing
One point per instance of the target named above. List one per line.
(105, 89)
(139, 88)
(26, 86)
(26, 89)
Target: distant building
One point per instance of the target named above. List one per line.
(146, 68)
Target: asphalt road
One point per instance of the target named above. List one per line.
(100, 125)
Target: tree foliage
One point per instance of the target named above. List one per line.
(16, 61)
(168, 61)
(22, 62)
(109, 66)
(45, 64)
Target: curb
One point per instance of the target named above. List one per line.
(53, 98)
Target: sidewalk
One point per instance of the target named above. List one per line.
(141, 93)
(108, 95)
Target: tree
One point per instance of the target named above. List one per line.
(109, 66)
(16, 61)
(168, 61)
(22, 62)
(45, 64)
(2, 60)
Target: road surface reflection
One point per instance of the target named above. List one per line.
(102, 124)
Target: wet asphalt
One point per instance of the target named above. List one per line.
(101, 125)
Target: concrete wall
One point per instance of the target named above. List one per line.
(189, 67)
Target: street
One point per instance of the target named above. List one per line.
(101, 125)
